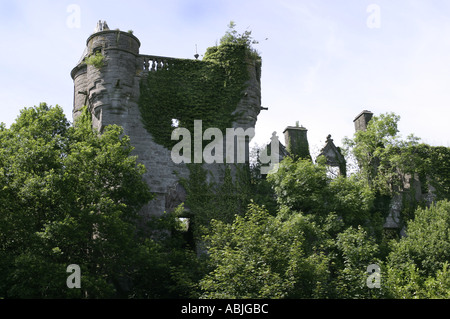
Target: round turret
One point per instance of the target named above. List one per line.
(113, 39)
(104, 79)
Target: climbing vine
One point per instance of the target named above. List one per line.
(433, 167)
(208, 90)
(208, 201)
(188, 90)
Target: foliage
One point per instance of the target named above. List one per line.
(384, 158)
(352, 199)
(301, 185)
(189, 90)
(393, 166)
(357, 250)
(245, 39)
(432, 166)
(167, 267)
(97, 60)
(68, 195)
(207, 200)
(261, 191)
(372, 148)
(343, 209)
(262, 256)
(418, 263)
(290, 255)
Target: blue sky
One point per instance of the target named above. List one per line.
(322, 62)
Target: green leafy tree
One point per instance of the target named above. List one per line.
(301, 185)
(233, 37)
(418, 263)
(168, 265)
(416, 174)
(67, 196)
(262, 256)
(377, 151)
(357, 250)
(353, 199)
(336, 224)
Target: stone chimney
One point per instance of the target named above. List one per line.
(296, 141)
(362, 120)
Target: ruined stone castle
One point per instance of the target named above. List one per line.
(111, 92)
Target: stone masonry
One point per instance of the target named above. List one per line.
(111, 94)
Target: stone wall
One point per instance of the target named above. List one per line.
(112, 94)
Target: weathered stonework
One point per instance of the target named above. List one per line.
(362, 120)
(112, 93)
(409, 190)
(334, 156)
(297, 141)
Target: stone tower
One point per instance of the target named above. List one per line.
(111, 93)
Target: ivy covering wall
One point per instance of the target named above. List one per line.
(433, 166)
(188, 90)
(209, 90)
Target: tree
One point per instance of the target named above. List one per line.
(301, 185)
(357, 250)
(263, 256)
(336, 226)
(68, 196)
(418, 262)
(232, 36)
(412, 174)
(379, 152)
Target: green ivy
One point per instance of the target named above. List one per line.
(188, 90)
(432, 164)
(208, 90)
(208, 200)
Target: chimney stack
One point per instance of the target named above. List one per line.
(362, 120)
(297, 141)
